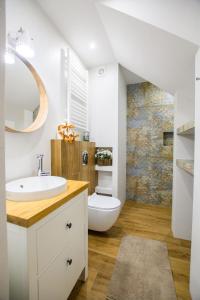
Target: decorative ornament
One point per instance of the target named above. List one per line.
(67, 133)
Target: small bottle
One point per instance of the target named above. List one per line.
(86, 136)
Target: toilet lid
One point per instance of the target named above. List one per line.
(104, 202)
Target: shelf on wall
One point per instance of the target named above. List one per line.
(103, 190)
(103, 168)
(186, 129)
(186, 164)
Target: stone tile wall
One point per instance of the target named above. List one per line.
(150, 113)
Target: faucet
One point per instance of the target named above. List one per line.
(40, 166)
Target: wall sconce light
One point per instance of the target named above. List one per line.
(21, 42)
(9, 57)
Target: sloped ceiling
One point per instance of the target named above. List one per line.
(131, 77)
(135, 33)
(79, 23)
(154, 54)
(180, 17)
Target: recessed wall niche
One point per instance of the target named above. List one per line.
(168, 138)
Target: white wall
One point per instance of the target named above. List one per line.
(107, 123)
(122, 135)
(182, 203)
(103, 93)
(195, 253)
(103, 110)
(3, 237)
(21, 149)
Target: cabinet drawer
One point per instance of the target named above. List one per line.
(58, 280)
(64, 229)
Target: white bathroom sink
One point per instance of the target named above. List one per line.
(35, 188)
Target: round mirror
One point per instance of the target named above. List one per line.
(26, 105)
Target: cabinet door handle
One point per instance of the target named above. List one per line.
(68, 225)
(69, 261)
(197, 78)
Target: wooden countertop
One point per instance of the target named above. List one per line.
(27, 213)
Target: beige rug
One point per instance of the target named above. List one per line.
(142, 272)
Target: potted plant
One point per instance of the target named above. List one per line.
(103, 157)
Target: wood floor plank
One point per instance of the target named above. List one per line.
(147, 221)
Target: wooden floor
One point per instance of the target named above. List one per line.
(146, 221)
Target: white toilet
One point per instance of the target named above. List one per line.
(103, 212)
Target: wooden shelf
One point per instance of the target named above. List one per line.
(186, 129)
(103, 168)
(103, 190)
(186, 165)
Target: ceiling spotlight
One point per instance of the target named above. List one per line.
(92, 45)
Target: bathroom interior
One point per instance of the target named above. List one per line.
(99, 150)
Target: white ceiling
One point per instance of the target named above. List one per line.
(156, 39)
(152, 53)
(131, 77)
(180, 17)
(80, 24)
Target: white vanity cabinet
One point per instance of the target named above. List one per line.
(47, 258)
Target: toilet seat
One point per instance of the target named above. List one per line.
(103, 202)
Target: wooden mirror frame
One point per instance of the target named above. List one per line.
(43, 108)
